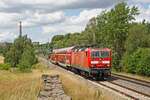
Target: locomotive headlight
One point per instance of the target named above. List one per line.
(105, 62)
(94, 62)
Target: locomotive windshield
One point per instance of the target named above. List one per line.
(99, 54)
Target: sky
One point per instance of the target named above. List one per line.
(42, 19)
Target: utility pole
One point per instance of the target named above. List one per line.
(20, 29)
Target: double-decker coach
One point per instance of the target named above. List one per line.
(87, 61)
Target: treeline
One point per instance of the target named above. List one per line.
(42, 49)
(4, 47)
(19, 54)
(117, 30)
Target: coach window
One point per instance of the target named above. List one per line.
(80, 49)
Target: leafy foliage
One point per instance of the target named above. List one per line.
(138, 37)
(5, 66)
(5, 48)
(27, 59)
(21, 54)
(113, 27)
(138, 62)
(108, 30)
(116, 30)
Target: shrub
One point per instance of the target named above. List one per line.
(5, 66)
(125, 62)
(143, 64)
(138, 62)
(27, 60)
(21, 54)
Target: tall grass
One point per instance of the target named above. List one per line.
(15, 85)
(1, 59)
(79, 90)
(19, 86)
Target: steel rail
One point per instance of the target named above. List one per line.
(130, 89)
(127, 95)
(133, 80)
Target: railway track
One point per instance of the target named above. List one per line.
(118, 91)
(124, 90)
(133, 80)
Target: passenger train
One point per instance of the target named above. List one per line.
(90, 62)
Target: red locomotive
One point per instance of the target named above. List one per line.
(86, 61)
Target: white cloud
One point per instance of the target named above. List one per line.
(49, 16)
(52, 5)
(29, 19)
(143, 1)
(7, 36)
(72, 24)
(8, 20)
(38, 19)
(46, 14)
(144, 14)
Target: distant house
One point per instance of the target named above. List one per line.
(35, 43)
(2, 44)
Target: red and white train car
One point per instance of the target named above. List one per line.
(86, 61)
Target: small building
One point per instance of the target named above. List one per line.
(2, 44)
(35, 43)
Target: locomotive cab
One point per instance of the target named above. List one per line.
(100, 62)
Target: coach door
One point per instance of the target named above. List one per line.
(67, 60)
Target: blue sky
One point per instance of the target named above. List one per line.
(42, 19)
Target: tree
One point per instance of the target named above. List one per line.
(6, 48)
(148, 26)
(138, 37)
(21, 53)
(91, 31)
(138, 62)
(113, 28)
(143, 65)
(27, 59)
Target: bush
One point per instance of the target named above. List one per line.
(138, 62)
(5, 66)
(143, 65)
(125, 62)
(27, 60)
(21, 54)
(129, 62)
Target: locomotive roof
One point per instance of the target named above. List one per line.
(63, 49)
(102, 49)
(80, 48)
